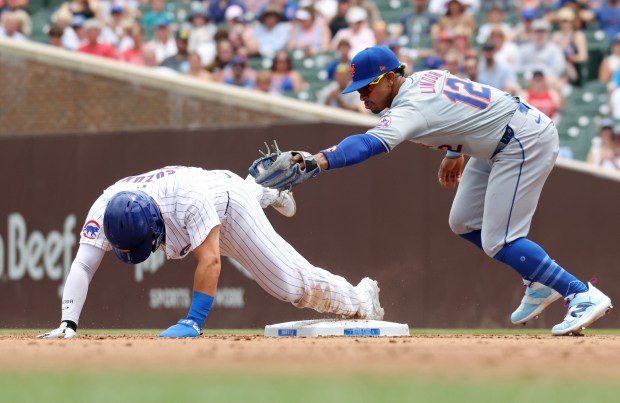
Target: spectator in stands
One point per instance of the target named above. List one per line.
(471, 68)
(358, 33)
(440, 7)
(223, 55)
(92, 46)
(455, 17)
(542, 55)
(73, 34)
(20, 9)
(506, 52)
(495, 18)
(163, 42)
(611, 62)
(608, 17)
(195, 68)
(55, 35)
(523, 31)
(442, 45)
(155, 15)
(339, 21)
(134, 55)
(573, 42)
(283, 77)
(372, 11)
(308, 34)
(240, 33)
(613, 98)
(287, 7)
(416, 25)
(217, 9)
(343, 49)
(332, 95)
(541, 95)
(9, 27)
(494, 73)
(263, 81)
(238, 73)
(201, 30)
(451, 62)
(325, 9)
(112, 29)
(82, 8)
(272, 33)
(179, 62)
(605, 149)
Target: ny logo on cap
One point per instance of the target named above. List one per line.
(381, 68)
(352, 70)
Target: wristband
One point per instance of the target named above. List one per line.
(201, 305)
(452, 154)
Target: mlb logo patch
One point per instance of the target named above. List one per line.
(91, 229)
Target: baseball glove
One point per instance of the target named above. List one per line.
(274, 169)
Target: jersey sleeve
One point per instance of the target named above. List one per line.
(200, 216)
(398, 125)
(92, 231)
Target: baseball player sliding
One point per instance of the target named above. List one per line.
(212, 213)
(512, 146)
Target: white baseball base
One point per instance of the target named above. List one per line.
(337, 327)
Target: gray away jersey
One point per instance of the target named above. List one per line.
(442, 111)
(192, 202)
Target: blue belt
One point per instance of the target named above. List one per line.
(509, 133)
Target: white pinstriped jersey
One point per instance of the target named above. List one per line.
(442, 111)
(192, 202)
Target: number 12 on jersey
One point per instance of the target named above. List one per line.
(463, 91)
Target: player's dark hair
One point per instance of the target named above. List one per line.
(400, 70)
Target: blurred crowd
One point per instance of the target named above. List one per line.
(536, 49)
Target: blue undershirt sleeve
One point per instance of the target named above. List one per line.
(353, 150)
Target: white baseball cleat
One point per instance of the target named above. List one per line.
(537, 297)
(369, 289)
(583, 310)
(285, 203)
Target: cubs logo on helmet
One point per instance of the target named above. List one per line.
(91, 229)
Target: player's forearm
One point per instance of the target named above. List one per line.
(83, 269)
(350, 151)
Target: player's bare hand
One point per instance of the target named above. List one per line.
(63, 332)
(298, 159)
(450, 170)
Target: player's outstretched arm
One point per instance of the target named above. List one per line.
(205, 284)
(283, 170)
(83, 268)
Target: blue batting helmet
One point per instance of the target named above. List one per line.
(134, 226)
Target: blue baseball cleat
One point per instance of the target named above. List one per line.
(537, 297)
(583, 310)
(183, 328)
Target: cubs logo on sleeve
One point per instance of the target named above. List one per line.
(91, 229)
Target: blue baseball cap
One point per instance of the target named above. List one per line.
(369, 64)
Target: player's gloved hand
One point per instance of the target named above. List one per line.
(63, 332)
(183, 328)
(283, 170)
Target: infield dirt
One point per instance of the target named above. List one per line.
(505, 356)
